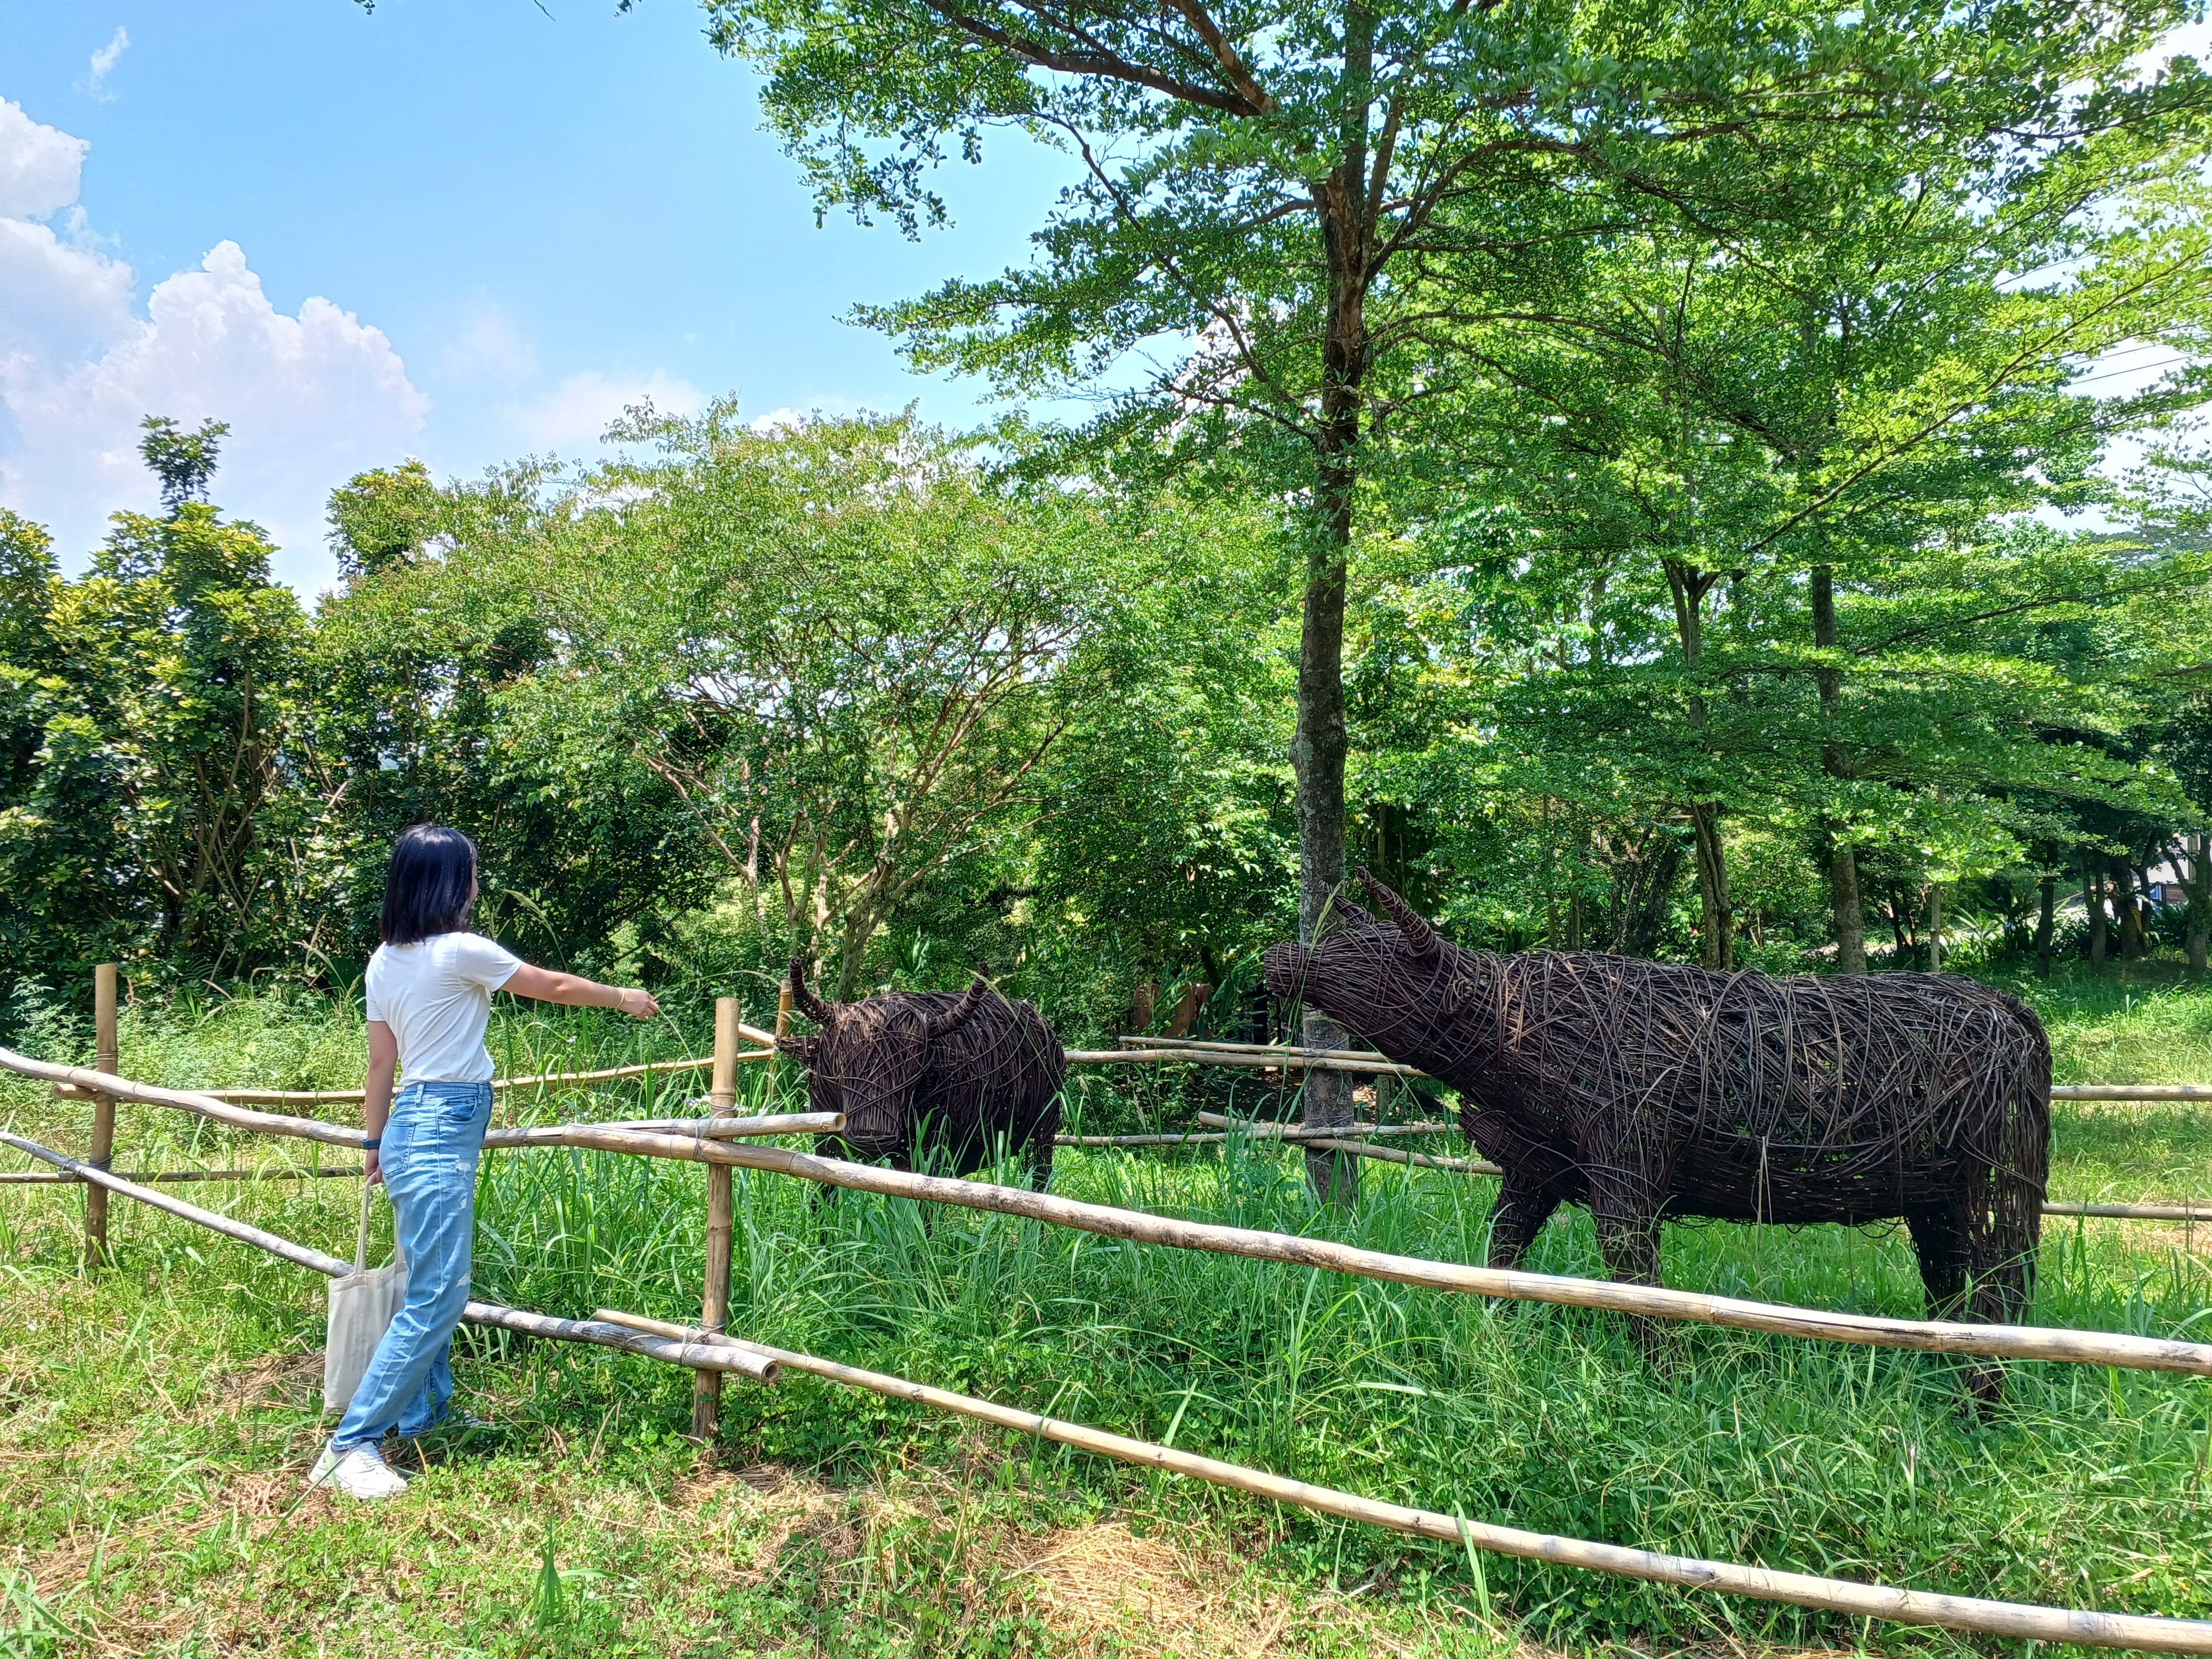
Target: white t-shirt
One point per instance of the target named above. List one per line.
(436, 996)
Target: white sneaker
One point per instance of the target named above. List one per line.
(360, 1472)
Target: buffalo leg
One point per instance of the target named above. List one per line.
(1939, 1239)
(2004, 1259)
(1627, 1213)
(1524, 1205)
(2004, 1225)
(825, 1194)
(1627, 1216)
(1041, 1150)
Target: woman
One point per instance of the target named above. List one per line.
(430, 985)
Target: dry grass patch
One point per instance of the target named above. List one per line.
(1107, 1586)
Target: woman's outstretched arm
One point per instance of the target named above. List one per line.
(577, 992)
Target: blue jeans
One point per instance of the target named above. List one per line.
(429, 1155)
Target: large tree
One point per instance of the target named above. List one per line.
(1259, 180)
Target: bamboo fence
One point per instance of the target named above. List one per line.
(1888, 1603)
(105, 1086)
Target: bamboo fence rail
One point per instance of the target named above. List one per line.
(1922, 1335)
(1220, 1128)
(1894, 1605)
(755, 1365)
(334, 1134)
(2131, 1212)
(34, 1178)
(2131, 1091)
(1256, 1128)
(1288, 1060)
(353, 1096)
(1273, 1050)
(1365, 1061)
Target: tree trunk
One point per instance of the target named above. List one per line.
(1142, 1001)
(1935, 928)
(2046, 919)
(1846, 913)
(1346, 215)
(1716, 949)
(1901, 930)
(1715, 945)
(2196, 885)
(2092, 901)
(2127, 911)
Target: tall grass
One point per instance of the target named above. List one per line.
(2086, 1488)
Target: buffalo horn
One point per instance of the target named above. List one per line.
(804, 1000)
(1420, 938)
(969, 1000)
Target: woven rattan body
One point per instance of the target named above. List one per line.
(1650, 1090)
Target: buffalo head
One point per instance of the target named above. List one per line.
(1389, 980)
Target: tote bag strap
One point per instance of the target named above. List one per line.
(361, 1243)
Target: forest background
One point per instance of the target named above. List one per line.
(1636, 483)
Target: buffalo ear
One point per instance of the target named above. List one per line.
(800, 1048)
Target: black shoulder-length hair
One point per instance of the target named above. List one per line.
(431, 886)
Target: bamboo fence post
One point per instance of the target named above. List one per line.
(714, 1305)
(106, 1058)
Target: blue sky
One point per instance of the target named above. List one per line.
(461, 229)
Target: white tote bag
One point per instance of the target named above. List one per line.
(362, 1304)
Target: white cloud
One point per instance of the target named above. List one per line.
(38, 165)
(581, 407)
(94, 84)
(311, 398)
(487, 346)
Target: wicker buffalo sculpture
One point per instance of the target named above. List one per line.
(1647, 1089)
(929, 1079)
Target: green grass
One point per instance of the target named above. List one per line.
(156, 1419)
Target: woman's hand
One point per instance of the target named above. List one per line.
(638, 1005)
(374, 1162)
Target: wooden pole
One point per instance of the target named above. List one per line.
(105, 1058)
(715, 1304)
(1903, 1606)
(1422, 1160)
